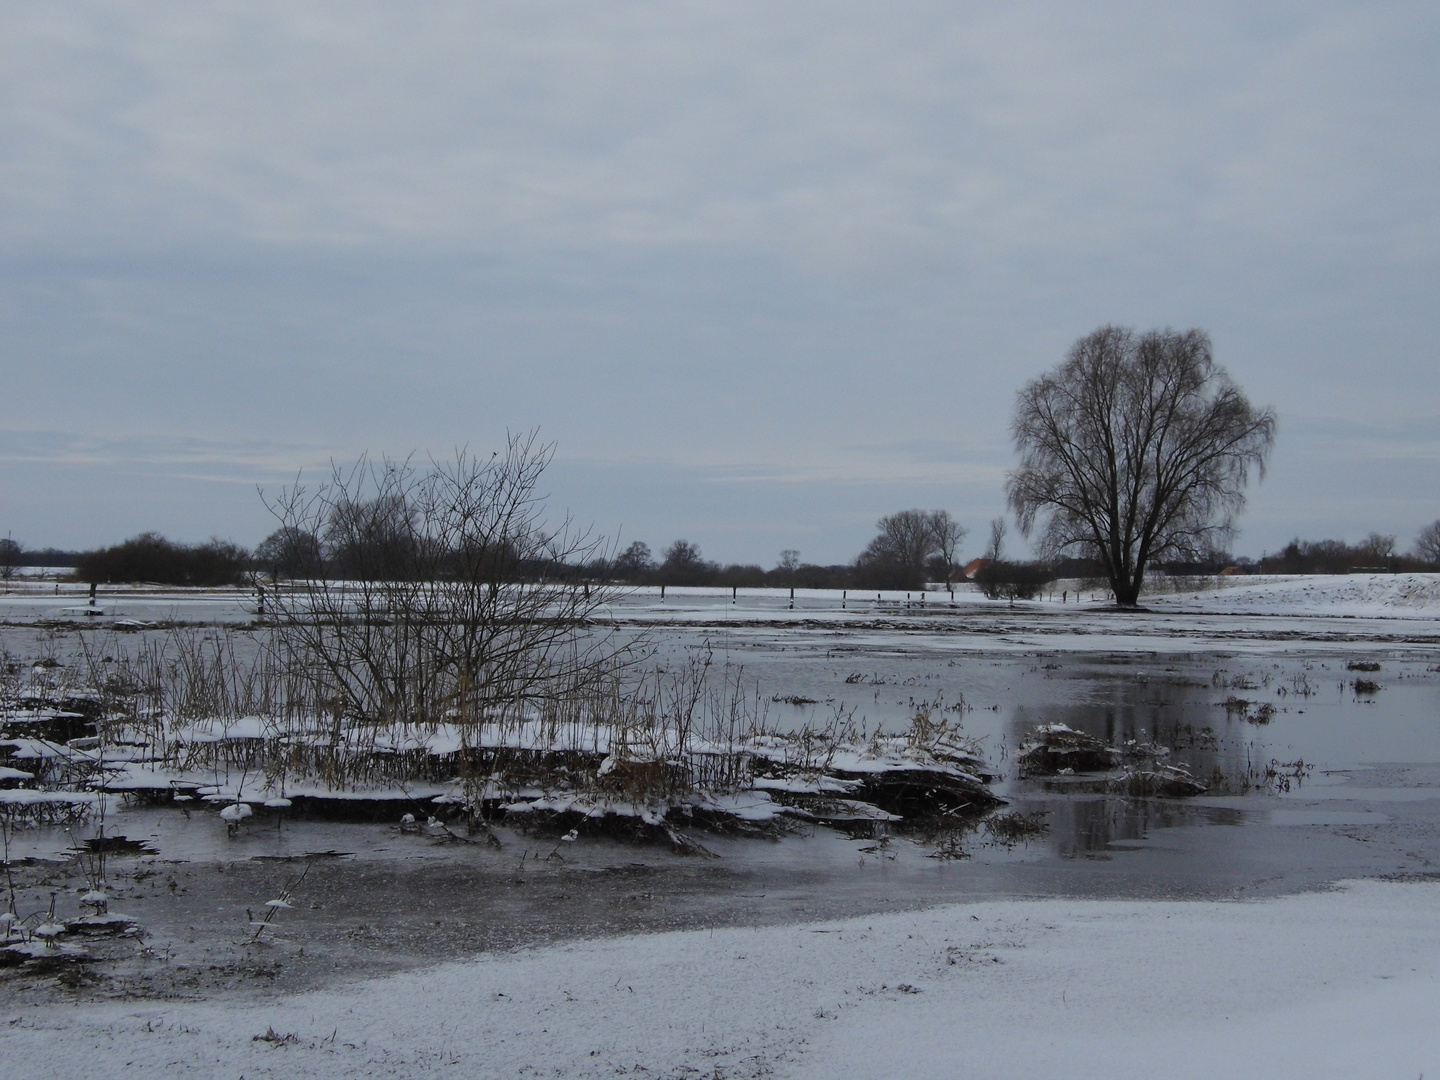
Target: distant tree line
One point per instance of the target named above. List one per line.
(373, 540)
(150, 557)
(683, 564)
(910, 548)
(14, 554)
(1377, 552)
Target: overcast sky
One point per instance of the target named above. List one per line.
(762, 271)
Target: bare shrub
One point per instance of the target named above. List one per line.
(445, 597)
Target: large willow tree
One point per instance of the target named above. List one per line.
(1137, 448)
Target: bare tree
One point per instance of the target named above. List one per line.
(10, 554)
(1377, 549)
(1427, 545)
(290, 551)
(996, 551)
(948, 534)
(901, 553)
(684, 565)
(634, 562)
(443, 596)
(1136, 448)
(789, 562)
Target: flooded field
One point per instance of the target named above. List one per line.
(1318, 740)
(1267, 728)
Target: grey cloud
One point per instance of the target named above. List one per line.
(830, 133)
(1413, 436)
(176, 455)
(750, 247)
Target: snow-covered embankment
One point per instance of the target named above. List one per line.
(1338, 984)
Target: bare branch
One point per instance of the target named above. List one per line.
(439, 593)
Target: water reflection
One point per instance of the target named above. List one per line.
(1309, 711)
(881, 677)
(1173, 709)
(1202, 738)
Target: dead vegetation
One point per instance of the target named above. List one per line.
(1259, 713)
(1058, 750)
(1137, 769)
(1015, 827)
(190, 720)
(1157, 781)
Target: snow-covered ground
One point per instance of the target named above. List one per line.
(1338, 595)
(1355, 595)
(1408, 597)
(1338, 984)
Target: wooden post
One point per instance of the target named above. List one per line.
(662, 592)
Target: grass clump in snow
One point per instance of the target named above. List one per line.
(193, 720)
(1058, 749)
(1016, 827)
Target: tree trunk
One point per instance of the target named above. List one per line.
(1127, 595)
